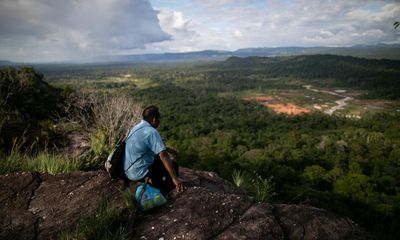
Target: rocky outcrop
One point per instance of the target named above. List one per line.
(37, 206)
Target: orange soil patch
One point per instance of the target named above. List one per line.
(259, 98)
(289, 108)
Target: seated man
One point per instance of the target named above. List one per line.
(147, 156)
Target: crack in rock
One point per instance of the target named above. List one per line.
(279, 222)
(234, 220)
(83, 183)
(36, 176)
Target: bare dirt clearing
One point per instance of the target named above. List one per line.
(275, 103)
(288, 108)
(330, 101)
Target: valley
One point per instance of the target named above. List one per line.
(292, 128)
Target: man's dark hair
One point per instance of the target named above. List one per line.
(151, 112)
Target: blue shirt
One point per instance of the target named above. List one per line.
(142, 145)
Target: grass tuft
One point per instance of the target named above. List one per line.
(46, 162)
(43, 162)
(107, 223)
(238, 178)
(13, 162)
(263, 188)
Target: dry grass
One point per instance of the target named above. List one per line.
(104, 120)
(113, 115)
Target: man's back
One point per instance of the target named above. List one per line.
(142, 145)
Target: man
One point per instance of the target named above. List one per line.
(147, 156)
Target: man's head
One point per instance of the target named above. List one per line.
(152, 116)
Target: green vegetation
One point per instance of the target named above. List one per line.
(104, 224)
(26, 103)
(380, 77)
(43, 162)
(349, 166)
(108, 222)
(36, 120)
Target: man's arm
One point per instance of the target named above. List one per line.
(165, 159)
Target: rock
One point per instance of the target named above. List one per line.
(306, 222)
(16, 191)
(38, 206)
(258, 222)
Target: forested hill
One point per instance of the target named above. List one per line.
(379, 51)
(26, 103)
(382, 77)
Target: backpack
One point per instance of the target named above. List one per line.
(115, 162)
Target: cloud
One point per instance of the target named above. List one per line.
(74, 29)
(228, 24)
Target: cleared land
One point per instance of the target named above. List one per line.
(343, 102)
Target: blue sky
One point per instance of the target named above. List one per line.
(77, 30)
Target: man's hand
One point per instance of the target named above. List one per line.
(168, 165)
(178, 184)
(172, 151)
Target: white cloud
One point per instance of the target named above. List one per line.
(174, 22)
(238, 34)
(75, 29)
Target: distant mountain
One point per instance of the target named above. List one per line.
(163, 57)
(6, 63)
(379, 51)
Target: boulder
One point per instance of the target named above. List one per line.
(38, 206)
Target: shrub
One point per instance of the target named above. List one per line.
(25, 100)
(115, 116)
(106, 118)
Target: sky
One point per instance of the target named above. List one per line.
(80, 30)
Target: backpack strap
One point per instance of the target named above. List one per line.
(140, 156)
(146, 180)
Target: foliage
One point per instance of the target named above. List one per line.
(309, 154)
(105, 224)
(378, 76)
(12, 162)
(263, 188)
(129, 200)
(238, 178)
(43, 162)
(46, 162)
(106, 118)
(349, 166)
(25, 100)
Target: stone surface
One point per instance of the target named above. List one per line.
(38, 206)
